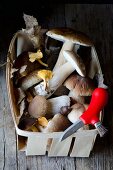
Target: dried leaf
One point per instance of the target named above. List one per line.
(33, 30)
(22, 71)
(30, 21)
(42, 121)
(13, 70)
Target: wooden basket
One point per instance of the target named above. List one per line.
(79, 144)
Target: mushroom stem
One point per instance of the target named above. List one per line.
(68, 45)
(58, 78)
(54, 104)
(60, 75)
(30, 80)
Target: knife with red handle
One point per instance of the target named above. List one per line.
(91, 115)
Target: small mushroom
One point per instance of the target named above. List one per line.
(30, 80)
(69, 37)
(23, 65)
(38, 107)
(77, 111)
(57, 123)
(79, 87)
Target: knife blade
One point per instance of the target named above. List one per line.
(72, 129)
(91, 115)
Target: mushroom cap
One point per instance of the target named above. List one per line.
(58, 123)
(75, 61)
(38, 106)
(64, 34)
(78, 110)
(82, 86)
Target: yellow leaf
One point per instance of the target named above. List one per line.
(45, 75)
(42, 121)
(39, 54)
(35, 56)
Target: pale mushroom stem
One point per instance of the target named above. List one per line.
(68, 45)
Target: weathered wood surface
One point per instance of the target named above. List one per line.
(97, 22)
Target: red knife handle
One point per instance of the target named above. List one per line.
(98, 101)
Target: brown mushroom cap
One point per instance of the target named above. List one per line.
(38, 106)
(58, 123)
(82, 86)
(63, 34)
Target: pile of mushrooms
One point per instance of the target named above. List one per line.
(53, 99)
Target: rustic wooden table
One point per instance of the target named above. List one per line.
(97, 22)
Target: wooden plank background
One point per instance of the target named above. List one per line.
(97, 22)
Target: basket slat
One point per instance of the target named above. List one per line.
(83, 144)
(60, 148)
(36, 145)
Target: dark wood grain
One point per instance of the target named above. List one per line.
(97, 22)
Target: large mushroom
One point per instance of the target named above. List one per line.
(70, 37)
(60, 75)
(79, 87)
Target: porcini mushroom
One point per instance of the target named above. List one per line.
(70, 38)
(79, 87)
(57, 123)
(60, 75)
(30, 80)
(77, 111)
(37, 107)
(54, 104)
